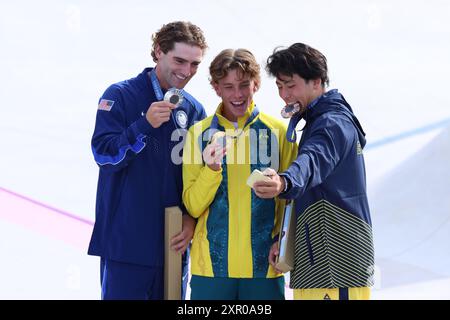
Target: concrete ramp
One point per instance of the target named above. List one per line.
(411, 218)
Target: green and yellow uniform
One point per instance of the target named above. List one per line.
(235, 228)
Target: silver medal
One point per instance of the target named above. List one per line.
(174, 96)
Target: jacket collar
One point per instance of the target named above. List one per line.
(330, 101)
(250, 115)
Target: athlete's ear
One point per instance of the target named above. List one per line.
(158, 51)
(216, 87)
(256, 87)
(317, 83)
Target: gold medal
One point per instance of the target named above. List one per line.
(289, 110)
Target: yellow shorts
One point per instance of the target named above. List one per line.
(362, 293)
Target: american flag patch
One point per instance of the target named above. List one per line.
(105, 105)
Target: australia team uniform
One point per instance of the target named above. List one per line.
(235, 228)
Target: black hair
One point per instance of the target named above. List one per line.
(299, 59)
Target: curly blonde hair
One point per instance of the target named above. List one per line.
(241, 60)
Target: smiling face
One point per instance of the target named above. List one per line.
(236, 90)
(176, 67)
(295, 89)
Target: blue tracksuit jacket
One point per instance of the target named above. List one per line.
(334, 245)
(137, 178)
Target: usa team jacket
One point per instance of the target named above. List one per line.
(334, 245)
(140, 171)
(235, 228)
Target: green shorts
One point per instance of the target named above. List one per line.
(210, 288)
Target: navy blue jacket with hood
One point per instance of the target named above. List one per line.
(334, 245)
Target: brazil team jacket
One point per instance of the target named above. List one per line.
(334, 245)
(235, 228)
(140, 170)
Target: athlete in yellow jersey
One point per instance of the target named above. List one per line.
(235, 228)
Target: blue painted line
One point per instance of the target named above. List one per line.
(408, 134)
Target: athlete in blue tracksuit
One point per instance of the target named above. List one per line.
(334, 255)
(137, 144)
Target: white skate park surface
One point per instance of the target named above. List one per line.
(390, 60)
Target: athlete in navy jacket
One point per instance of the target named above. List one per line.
(137, 144)
(334, 257)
